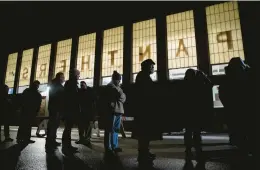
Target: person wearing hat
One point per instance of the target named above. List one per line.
(146, 117)
(71, 109)
(115, 109)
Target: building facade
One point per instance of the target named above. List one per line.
(204, 38)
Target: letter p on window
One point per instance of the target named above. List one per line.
(225, 36)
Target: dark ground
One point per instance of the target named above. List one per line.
(170, 154)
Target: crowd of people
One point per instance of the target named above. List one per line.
(78, 106)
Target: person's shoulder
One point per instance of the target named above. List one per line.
(26, 90)
(90, 90)
(139, 76)
(39, 94)
(53, 81)
(68, 82)
(109, 85)
(60, 86)
(140, 73)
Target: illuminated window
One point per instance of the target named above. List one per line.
(25, 72)
(216, 100)
(144, 45)
(181, 41)
(86, 57)
(63, 57)
(224, 33)
(10, 71)
(43, 61)
(112, 56)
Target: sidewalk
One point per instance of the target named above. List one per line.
(170, 152)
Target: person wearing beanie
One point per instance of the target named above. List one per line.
(115, 110)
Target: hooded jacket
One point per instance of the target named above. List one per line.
(116, 98)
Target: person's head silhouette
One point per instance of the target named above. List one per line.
(116, 78)
(190, 74)
(148, 66)
(74, 74)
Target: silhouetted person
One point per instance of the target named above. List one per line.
(71, 110)
(7, 112)
(146, 117)
(236, 93)
(31, 102)
(87, 105)
(115, 109)
(56, 97)
(197, 108)
(192, 131)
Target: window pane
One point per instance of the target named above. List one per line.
(145, 44)
(25, 73)
(86, 57)
(10, 71)
(227, 39)
(216, 100)
(63, 57)
(182, 52)
(112, 56)
(43, 61)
